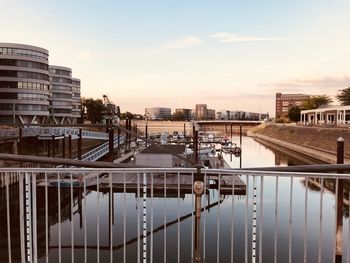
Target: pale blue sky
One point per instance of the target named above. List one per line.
(229, 54)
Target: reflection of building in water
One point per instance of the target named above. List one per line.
(65, 208)
(14, 224)
(52, 217)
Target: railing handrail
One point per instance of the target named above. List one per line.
(178, 170)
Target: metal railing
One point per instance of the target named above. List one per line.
(101, 150)
(56, 131)
(156, 215)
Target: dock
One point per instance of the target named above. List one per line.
(228, 183)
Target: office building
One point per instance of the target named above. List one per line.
(60, 94)
(33, 92)
(24, 84)
(158, 113)
(286, 101)
(76, 101)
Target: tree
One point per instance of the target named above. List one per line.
(127, 115)
(294, 113)
(315, 102)
(344, 96)
(177, 116)
(94, 109)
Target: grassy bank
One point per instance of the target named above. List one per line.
(323, 138)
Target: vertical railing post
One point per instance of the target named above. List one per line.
(198, 188)
(339, 206)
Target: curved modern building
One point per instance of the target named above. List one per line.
(24, 83)
(61, 98)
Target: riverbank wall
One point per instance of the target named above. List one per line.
(318, 143)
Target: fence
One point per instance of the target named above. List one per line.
(156, 215)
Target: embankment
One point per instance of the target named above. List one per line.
(316, 142)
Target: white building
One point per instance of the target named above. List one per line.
(336, 115)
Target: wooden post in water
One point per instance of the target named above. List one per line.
(110, 145)
(184, 130)
(146, 132)
(53, 146)
(37, 149)
(339, 207)
(240, 136)
(70, 146)
(80, 142)
(63, 146)
(118, 148)
(20, 134)
(48, 148)
(196, 147)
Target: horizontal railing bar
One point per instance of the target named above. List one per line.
(63, 161)
(126, 168)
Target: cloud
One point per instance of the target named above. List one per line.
(227, 37)
(331, 82)
(184, 42)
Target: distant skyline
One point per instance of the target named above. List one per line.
(177, 53)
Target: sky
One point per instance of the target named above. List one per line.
(232, 54)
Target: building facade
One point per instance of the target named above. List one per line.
(33, 92)
(201, 112)
(76, 101)
(158, 113)
(61, 99)
(24, 84)
(286, 101)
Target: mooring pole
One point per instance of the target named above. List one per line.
(195, 148)
(110, 145)
(146, 132)
(240, 136)
(80, 142)
(70, 146)
(20, 150)
(184, 130)
(53, 146)
(48, 148)
(118, 132)
(37, 149)
(339, 207)
(64, 146)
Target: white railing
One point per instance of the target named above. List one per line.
(101, 150)
(56, 131)
(155, 215)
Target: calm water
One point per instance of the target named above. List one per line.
(254, 155)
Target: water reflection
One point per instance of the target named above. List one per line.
(172, 218)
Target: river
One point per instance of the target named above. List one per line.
(254, 154)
